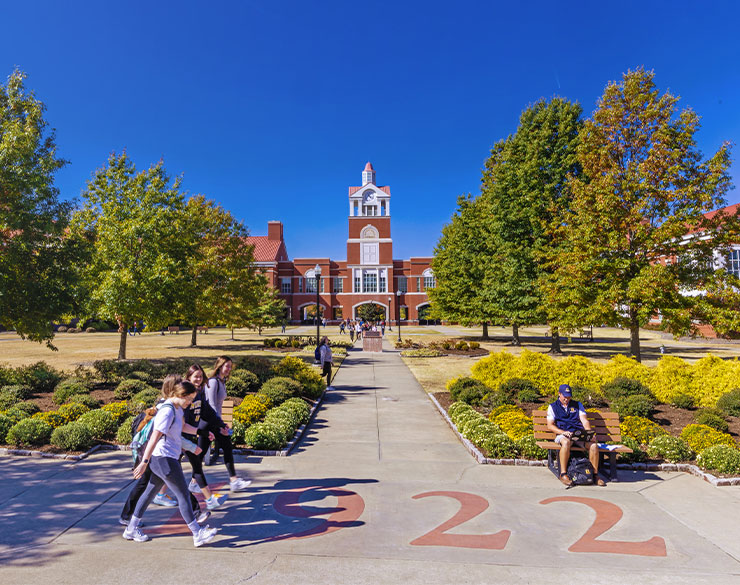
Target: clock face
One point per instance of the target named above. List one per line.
(368, 197)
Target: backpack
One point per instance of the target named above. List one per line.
(580, 471)
(141, 437)
(317, 354)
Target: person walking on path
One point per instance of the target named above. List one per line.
(341, 328)
(358, 330)
(215, 395)
(382, 327)
(326, 360)
(352, 332)
(161, 456)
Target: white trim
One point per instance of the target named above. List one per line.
(358, 240)
(371, 302)
(421, 305)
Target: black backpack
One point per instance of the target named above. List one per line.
(317, 354)
(580, 471)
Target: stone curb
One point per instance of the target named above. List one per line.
(683, 467)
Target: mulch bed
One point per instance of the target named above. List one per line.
(470, 353)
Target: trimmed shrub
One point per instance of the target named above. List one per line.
(577, 370)
(67, 388)
(128, 387)
(671, 449)
(29, 431)
(73, 436)
(637, 455)
(621, 366)
(712, 377)
(422, 352)
(112, 370)
(40, 376)
(494, 399)
(516, 424)
(699, 437)
(296, 368)
(241, 383)
(123, 434)
(729, 403)
(71, 411)
(263, 436)
(5, 424)
(634, 405)
(18, 391)
(514, 386)
(283, 420)
(16, 414)
(669, 378)
(682, 400)
(100, 422)
(139, 375)
(252, 409)
(529, 395)
(280, 389)
(623, 387)
(85, 399)
(474, 345)
(143, 400)
(499, 446)
(641, 429)
(720, 458)
(7, 400)
(712, 419)
(118, 410)
(589, 398)
(260, 367)
(528, 449)
(495, 368)
(28, 407)
(299, 406)
(51, 417)
(62, 329)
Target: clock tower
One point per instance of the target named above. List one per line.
(369, 244)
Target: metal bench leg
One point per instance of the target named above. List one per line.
(613, 466)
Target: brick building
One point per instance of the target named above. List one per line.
(369, 274)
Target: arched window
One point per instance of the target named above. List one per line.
(429, 280)
(369, 233)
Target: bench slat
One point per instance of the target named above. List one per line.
(551, 445)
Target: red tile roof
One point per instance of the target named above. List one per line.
(369, 167)
(386, 190)
(266, 250)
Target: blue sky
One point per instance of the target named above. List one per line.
(273, 108)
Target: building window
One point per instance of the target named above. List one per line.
(418, 284)
(370, 282)
(382, 208)
(382, 283)
(358, 284)
(285, 287)
(429, 282)
(369, 253)
(404, 312)
(403, 284)
(323, 280)
(368, 210)
(310, 284)
(337, 284)
(300, 284)
(355, 210)
(733, 263)
(337, 313)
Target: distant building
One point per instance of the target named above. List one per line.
(368, 275)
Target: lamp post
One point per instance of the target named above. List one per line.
(390, 321)
(317, 278)
(398, 308)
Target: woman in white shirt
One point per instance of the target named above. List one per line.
(326, 360)
(162, 458)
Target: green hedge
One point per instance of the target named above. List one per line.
(30, 432)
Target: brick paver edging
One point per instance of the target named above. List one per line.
(281, 453)
(684, 467)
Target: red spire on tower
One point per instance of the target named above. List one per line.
(369, 167)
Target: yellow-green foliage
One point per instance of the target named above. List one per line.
(577, 371)
(624, 367)
(641, 429)
(494, 369)
(118, 410)
(51, 418)
(671, 377)
(539, 368)
(516, 424)
(72, 411)
(699, 437)
(252, 409)
(502, 409)
(713, 377)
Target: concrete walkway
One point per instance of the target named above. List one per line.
(379, 491)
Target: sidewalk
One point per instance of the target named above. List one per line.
(358, 501)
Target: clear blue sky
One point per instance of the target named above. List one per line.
(272, 108)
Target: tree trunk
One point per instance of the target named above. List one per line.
(635, 336)
(194, 336)
(515, 335)
(555, 342)
(259, 330)
(485, 331)
(122, 342)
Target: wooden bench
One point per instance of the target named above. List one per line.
(202, 329)
(227, 412)
(606, 427)
(174, 329)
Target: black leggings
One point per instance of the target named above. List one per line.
(138, 490)
(166, 470)
(223, 442)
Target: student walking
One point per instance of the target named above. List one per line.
(215, 394)
(161, 458)
(352, 332)
(326, 360)
(358, 330)
(341, 328)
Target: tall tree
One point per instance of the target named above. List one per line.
(140, 252)
(523, 186)
(268, 311)
(220, 266)
(644, 186)
(38, 257)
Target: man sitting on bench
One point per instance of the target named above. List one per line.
(564, 418)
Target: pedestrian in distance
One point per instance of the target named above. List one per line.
(161, 457)
(326, 360)
(352, 332)
(341, 328)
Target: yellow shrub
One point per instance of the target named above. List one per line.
(624, 367)
(699, 437)
(641, 429)
(713, 377)
(494, 369)
(671, 377)
(502, 409)
(515, 424)
(252, 409)
(118, 410)
(580, 371)
(538, 368)
(51, 418)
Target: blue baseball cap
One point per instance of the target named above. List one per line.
(565, 390)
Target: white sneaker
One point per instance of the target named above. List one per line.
(204, 535)
(164, 500)
(203, 516)
(135, 535)
(213, 502)
(194, 487)
(239, 484)
(123, 522)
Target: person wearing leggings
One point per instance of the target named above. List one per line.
(162, 458)
(215, 395)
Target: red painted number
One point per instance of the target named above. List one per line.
(349, 508)
(607, 516)
(470, 506)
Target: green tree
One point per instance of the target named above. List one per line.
(643, 187)
(38, 256)
(523, 187)
(268, 311)
(140, 249)
(371, 312)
